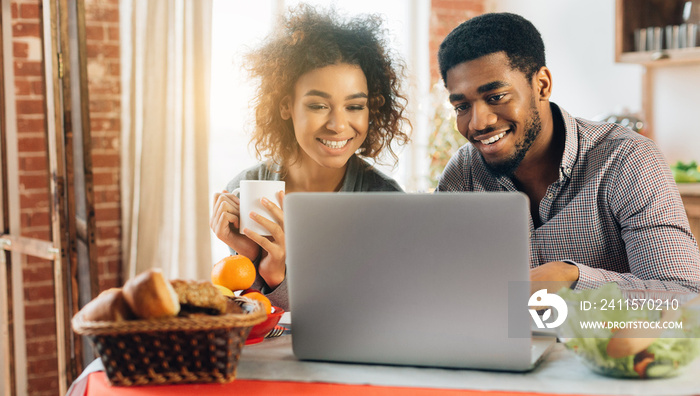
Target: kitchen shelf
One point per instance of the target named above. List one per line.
(662, 58)
(638, 14)
(631, 15)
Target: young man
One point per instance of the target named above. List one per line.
(603, 204)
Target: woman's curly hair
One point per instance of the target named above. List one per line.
(309, 40)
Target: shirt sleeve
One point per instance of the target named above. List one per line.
(454, 177)
(661, 250)
(278, 296)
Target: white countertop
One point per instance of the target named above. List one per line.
(560, 372)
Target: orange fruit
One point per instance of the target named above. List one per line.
(224, 290)
(234, 273)
(255, 295)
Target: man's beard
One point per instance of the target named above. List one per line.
(508, 166)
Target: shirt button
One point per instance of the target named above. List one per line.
(550, 195)
(567, 170)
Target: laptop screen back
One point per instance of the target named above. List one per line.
(411, 279)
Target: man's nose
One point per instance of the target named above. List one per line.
(337, 121)
(481, 117)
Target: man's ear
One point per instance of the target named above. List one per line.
(542, 82)
(286, 108)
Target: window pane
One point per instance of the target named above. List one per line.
(236, 27)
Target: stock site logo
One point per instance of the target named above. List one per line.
(543, 299)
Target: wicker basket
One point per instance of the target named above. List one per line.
(174, 350)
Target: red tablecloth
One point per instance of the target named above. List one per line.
(98, 385)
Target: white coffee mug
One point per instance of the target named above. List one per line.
(251, 192)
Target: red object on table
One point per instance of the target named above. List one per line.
(98, 385)
(260, 330)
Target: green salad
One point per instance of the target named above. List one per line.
(663, 357)
(685, 172)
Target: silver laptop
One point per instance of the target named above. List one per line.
(438, 280)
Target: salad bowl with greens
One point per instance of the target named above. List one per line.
(686, 172)
(632, 335)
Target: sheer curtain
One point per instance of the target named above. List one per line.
(166, 50)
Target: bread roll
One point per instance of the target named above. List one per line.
(199, 296)
(150, 296)
(107, 306)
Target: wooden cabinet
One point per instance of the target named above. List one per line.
(631, 15)
(690, 193)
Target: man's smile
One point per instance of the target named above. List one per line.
(493, 139)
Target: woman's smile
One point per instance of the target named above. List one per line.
(334, 144)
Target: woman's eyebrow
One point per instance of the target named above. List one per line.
(356, 96)
(315, 92)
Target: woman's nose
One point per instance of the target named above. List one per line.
(337, 121)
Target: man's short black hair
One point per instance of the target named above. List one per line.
(491, 33)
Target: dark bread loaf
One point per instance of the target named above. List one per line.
(199, 297)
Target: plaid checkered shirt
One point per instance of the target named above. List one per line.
(615, 211)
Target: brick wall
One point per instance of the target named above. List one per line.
(40, 324)
(102, 31)
(103, 64)
(445, 15)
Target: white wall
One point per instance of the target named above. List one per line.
(676, 111)
(579, 38)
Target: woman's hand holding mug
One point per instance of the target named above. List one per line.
(254, 224)
(225, 222)
(272, 265)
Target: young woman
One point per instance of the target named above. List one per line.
(328, 94)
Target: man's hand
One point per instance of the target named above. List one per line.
(553, 276)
